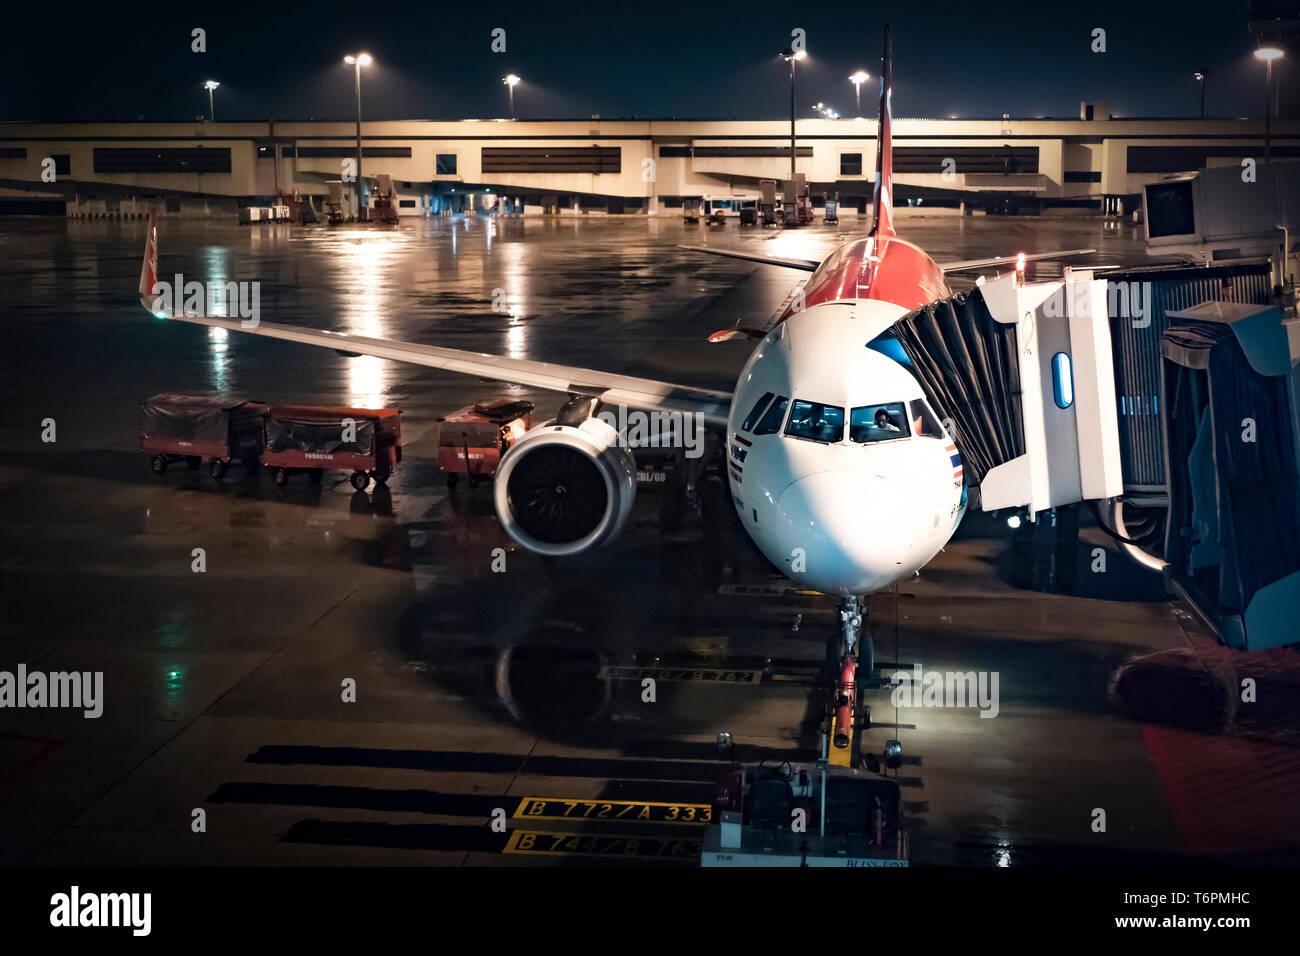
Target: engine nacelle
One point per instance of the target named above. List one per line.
(565, 488)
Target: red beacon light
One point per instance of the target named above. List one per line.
(1020, 268)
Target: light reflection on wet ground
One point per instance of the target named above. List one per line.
(224, 686)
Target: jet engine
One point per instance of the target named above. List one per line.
(565, 487)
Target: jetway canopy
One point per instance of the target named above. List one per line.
(967, 365)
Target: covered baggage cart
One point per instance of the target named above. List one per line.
(192, 428)
(311, 438)
(472, 440)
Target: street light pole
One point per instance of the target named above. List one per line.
(1268, 54)
(1201, 77)
(857, 79)
(792, 152)
(1268, 109)
(790, 56)
(211, 85)
(511, 81)
(357, 62)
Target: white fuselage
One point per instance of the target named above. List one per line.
(844, 508)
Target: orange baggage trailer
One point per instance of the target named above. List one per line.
(472, 440)
(191, 428)
(311, 438)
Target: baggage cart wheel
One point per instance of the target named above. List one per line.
(192, 461)
(217, 468)
(158, 464)
(315, 475)
(281, 476)
(360, 480)
(452, 478)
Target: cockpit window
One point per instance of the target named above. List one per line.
(770, 423)
(815, 421)
(879, 423)
(923, 421)
(752, 417)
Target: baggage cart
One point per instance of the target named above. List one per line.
(194, 428)
(311, 438)
(472, 440)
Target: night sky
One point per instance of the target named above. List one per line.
(630, 58)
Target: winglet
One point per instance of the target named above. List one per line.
(149, 267)
(882, 197)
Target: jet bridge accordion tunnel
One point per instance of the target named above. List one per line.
(1023, 374)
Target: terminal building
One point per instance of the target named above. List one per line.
(1096, 162)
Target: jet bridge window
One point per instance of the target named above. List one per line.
(770, 423)
(878, 423)
(816, 422)
(923, 421)
(752, 418)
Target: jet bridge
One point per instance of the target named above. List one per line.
(1024, 374)
(1229, 380)
(1169, 397)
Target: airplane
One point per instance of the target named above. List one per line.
(839, 469)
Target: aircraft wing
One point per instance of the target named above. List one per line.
(641, 393)
(967, 265)
(806, 265)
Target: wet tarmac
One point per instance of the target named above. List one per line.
(520, 691)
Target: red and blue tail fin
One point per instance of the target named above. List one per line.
(882, 200)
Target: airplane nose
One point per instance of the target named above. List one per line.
(855, 529)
